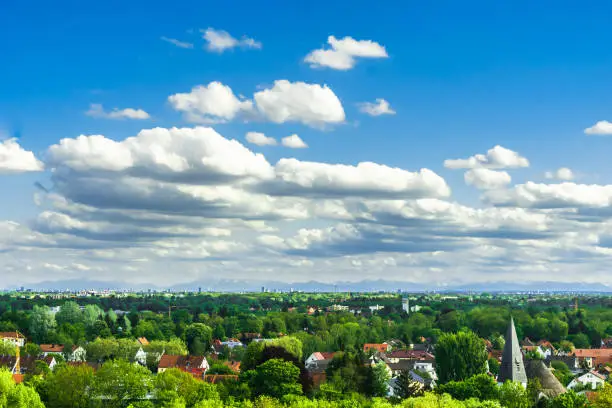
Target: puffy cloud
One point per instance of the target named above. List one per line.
(603, 127)
(15, 159)
(487, 179)
(260, 139)
(220, 41)
(294, 142)
(96, 110)
(562, 173)
(344, 53)
(380, 107)
(213, 103)
(180, 44)
(563, 195)
(310, 104)
(300, 178)
(496, 158)
(188, 155)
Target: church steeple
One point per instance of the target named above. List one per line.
(512, 367)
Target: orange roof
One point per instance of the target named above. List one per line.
(11, 335)
(593, 353)
(233, 365)
(182, 362)
(52, 348)
(18, 378)
(217, 378)
(374, 346)
(143, 341)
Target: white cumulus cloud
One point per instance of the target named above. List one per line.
(96, 110)
(486, 179)
(380, 107)
(15, 159)
(562, 173)
(294, 142)
(496, 158)
(603, 127)
(260, 139)
(212, 103)
(220, 41)
(343, 53)
(310, 104)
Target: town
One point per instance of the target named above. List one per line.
(194, 349)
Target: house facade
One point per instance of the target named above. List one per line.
(195, 365)
(591, 380)
(13, 337)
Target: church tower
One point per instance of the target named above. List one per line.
(512, 367)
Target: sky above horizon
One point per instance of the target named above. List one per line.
(442, 144)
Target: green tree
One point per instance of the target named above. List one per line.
(406, 387)
(513, 395)
(91, 314)
(460, 356)
(570, 400)
(198, 337)
(493, 366)
(481, 387)
(119, 382)
(42, 323)
(380, 377)
(17, 395)
(68, 387)
(173, 384)
(276, 378)
(70, 313)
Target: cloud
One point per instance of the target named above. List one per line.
(381, 107)
(486, 179)
(260, 139)
(310, 104)
(178, 43)
(496, 158)
(603, 127)
(15, 159)
(344, 53)
(187, 155)
(97, 111)
(562, 173)
(553, 196)
(220, 41)
(212, 103)
(300, 178)
(294, 142)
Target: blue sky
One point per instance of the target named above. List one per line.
(460, 77)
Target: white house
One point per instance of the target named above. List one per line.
(317, 356)
(592, 380)
(141, 357)
(14, 337)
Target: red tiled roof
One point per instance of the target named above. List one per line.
(18, 378)
(181, 362)
(11, 335)
(328, 354)
(52, 348)
(599, 356)
(375, 346)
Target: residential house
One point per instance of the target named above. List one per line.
(195, 365)
(14, 337)
(143, 341)
(318, 356)
(572, 362)
(381, 348)
(18, 364)
(592, 380)
(547, 348)
(141, 357)
(591, 358)
(232, 343)
(397, 355)
(606, 343)
(77, 353)
(50, 361)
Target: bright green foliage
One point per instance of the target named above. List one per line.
(378, 380)
(91, 314)
(68, 387)
(274, 378)
(173, 384)
(7, 349)
(17, 395)
(119, 381)
(480, 386)
(513, 395)
(603, 398)
(569, 400)
(198, 337)
(460, 356)
(406, 387)
(42, 323)
(70, 313)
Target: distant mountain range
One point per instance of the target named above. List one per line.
(227, 285)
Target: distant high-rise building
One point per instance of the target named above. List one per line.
(512, 367)
(406, 305)
(263, 289)
(199, 289)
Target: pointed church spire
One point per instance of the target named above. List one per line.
(512, 367)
